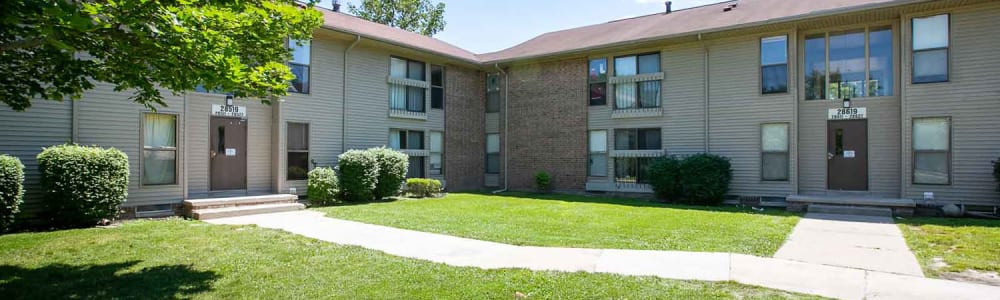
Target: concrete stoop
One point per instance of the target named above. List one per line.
(204, 209)
(851, 204)
(850, 210)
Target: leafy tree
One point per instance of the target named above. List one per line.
(420, 16)
(53, 49)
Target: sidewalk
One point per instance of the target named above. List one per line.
(784, 274)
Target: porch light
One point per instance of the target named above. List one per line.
(847, 102)
(229, 99)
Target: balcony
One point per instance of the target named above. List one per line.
(406, 114)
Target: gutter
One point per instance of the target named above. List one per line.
(506, 155)
(343, 106)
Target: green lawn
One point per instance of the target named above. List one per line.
(582, 221)
(962, 244)
(174, 258)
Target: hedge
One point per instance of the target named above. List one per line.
(322, 186)
(665, 175)
(11, 190)
(82, 185)
(392, 167)
(357, 171)
(423, 187)
(705, 179)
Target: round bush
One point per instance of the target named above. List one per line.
(705, 179)
(392, 167)
(543, 182)
(664, 174)
(11, 190)
(322, 186)
(423, 187)
(357, 173)
(82, 185)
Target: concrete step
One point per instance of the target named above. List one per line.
(850, 210)
(235, 211)
(194, 204)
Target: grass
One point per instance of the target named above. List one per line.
(168, 259)
(961, 244)
(582, 221)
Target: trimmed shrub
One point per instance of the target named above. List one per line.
(392, 167)
(423, 187)
(705, 179)
(322, 187)
(357, 173)
(665, 177)
(543, 182)
(996, 172)
(11, 190)
(82, 185)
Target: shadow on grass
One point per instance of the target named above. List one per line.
(950, 222)
(106, 281)
(637, 202)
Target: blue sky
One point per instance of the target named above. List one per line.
(490, 25)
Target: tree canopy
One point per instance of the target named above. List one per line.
(420, 16)
(54, 49)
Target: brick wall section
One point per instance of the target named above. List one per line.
(465, 140)
(548, 124)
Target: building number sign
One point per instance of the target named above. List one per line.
(848, 113)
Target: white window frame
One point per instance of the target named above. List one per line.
(142, 146)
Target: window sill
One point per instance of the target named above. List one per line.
(636, 113)
(415, 152)
(637, 153)
(636, 78)
(408, 82)
(405, 114)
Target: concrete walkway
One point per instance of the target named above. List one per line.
(862, 242)
(783, 274)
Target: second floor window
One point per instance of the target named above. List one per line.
(774, 64)
(855, 67)
(437, 87)
(299, 65)
(493, 93)
(930, 49)
(638, 139)
(640, 94)
(597, 81)
(406, 140)
(406, 97)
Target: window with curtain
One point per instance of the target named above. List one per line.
(642, 94)
(774, 152)
(493, 93)
(859, 64)
(159, 149)
(632, 169)
(638, 139)
(406, 139)
(405, 97)
(299, 65)
(774, 64)
(598, 81)
(297, 146)
(930, 49)
(493, 153)
(437, 87)
(598, 148)
(437, 153)
(932, 150)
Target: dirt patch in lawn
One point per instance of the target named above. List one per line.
(990, 278)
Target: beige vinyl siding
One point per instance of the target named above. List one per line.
(322, 109)
(971, 99)
(109, 119)
(737, 109)
(23, 134)
(684, 99)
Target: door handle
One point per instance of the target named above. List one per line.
(212, 153)
(830, 156)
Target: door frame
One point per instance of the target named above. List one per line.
(246, 169)
(868, 178)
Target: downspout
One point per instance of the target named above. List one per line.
(343, 106)
(506, 155)
(708, 116)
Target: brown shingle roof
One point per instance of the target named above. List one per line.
(679, 22)
(371, 30)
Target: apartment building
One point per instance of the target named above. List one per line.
(881, 98)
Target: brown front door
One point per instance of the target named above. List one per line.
(847, 155)
(228, 154)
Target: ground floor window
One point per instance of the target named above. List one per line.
(493, 153)
(598, 160)
(932, 150)
(159, 149)
(416, 167)
(632, 169)
(437, 153)
(298, 151)
(774, 152)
